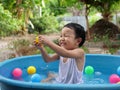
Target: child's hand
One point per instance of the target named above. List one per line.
(42, 40)
(38, 43)
(37, 40)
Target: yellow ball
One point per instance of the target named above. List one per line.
(31, 70)
(37, 39)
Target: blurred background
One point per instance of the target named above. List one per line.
(22, 20)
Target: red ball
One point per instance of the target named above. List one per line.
(114, 78)
(17, 72)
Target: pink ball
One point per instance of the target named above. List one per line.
(114, 78)
(17, 72)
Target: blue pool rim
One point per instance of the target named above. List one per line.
(61, 86)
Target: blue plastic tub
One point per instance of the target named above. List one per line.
(104, 66)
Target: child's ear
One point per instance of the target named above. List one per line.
(79, 40)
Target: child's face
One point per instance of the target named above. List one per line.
(68, 40)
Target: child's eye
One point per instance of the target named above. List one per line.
(66, 35)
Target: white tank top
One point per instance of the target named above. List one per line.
(68, 72)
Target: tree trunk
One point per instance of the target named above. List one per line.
(18, 9)
(87, 23)
(106, 16)
(106, 11)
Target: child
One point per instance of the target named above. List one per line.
(72, 58)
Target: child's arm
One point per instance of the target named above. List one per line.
(45, 55)
(76, 53)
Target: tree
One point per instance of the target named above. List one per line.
(20, 9)
(103, 6)
(8, 24)
(106, 7)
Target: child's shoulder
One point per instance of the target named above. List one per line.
(80, 49)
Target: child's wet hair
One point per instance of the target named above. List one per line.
(79, 31)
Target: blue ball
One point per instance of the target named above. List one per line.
(118, 70)
(36, 78)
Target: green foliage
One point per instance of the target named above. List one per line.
(60, 7)
(71, 3)
(96, 39)
(93, 18)
(106, 7)
(49, 50)
(116, 6)
(9, 4)
(8, 24)
(56, 41)
(112, 50)
(54, 7)
(85, 49)
(45, 24)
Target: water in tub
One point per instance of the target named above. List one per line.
(95, 78)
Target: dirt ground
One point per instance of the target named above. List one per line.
(5, 51)
(5, 42)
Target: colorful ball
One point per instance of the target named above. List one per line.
(31, 70)
(114, 78)
(37, 40)
(17, 72)
(89, 70)
(36, 78)
(118, 70)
